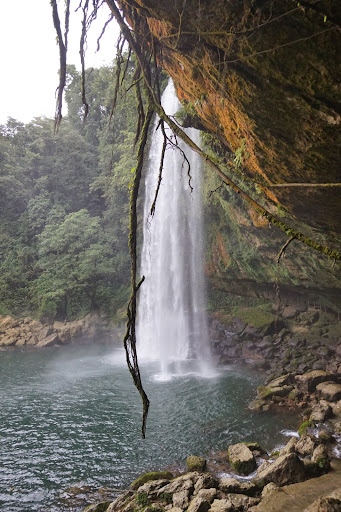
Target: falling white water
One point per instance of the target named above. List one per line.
(172, 320)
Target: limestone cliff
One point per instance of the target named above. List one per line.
(263, 77)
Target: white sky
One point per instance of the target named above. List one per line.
(29, 58)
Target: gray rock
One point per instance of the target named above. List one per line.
(287, 469)
(284, 380)
(52, 339)
(232, 485)
(329, 390)
(198, 504)
(184, 482)
(320, 456)
(223, 505)
(308, 381)
(241, 458)
(181, 499)
(269, 488)
(205, 481)
(290, 447)
(306, 444)
(320, 412)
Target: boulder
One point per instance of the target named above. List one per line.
(258, 405)
(330, 503)
(205, 481)
(308, 381)
(181, 499)
(329, 390)
(184, 482)
(269, 488)
(320, 456)
(222, 505)
(337, 409)
(152, 487)
(195, 463)
(289, 312)
(320, 412)
(306, 445)
(241, 458)
(287, 469)
(232, 485)
(49, 341)
(290, 447)
(202, 502)
(147, 477)
(284, 380)
(268, 392)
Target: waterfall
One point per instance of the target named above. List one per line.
(172, 320)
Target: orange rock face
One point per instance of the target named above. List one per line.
(263, 76)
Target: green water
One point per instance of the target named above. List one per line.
(71, 416)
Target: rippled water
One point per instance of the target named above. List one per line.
(71, 416)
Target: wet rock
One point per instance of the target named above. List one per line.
(290, 447)
(320, 456)
(320, 412)
(202, 502)
(205, 481)
(152, 487)
(308, 381)
(153, 475)
(287, 469)
(284, 380)
(52, 339)
(232, 485)
(184, 482)
(329, 390)
(241, 458)
(181, 499)
(306, 445)
(267, 392)
(195, 463)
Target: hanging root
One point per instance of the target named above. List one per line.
(82, 55)
(130, 336)
(282, 251)
(62, 57)
(164, 146)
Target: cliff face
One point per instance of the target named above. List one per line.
(264, 78)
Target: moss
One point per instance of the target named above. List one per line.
(264, 392)
(259, 317)
(304, 427)
(153, 475)
(142, 499)
(195, 463)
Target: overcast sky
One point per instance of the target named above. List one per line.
(29, 59)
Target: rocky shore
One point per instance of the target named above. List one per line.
(32, 333)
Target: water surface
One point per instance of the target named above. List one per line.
(71, 416)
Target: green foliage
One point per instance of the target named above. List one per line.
(240, 155)
(304, 427)
(63, 241)
(142, 499)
